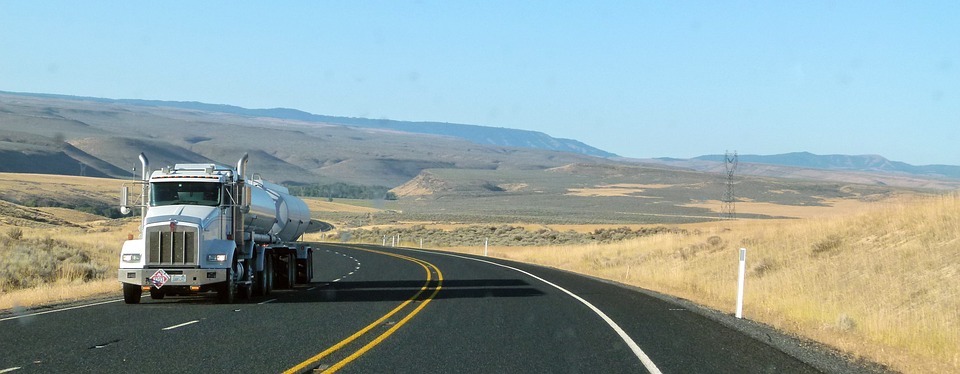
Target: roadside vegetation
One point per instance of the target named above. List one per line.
(500, 235)
(880, 284)
(45, 264)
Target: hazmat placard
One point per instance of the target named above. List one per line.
(159, 278)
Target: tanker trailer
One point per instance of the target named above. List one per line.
(207, 227)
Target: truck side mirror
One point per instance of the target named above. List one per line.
(124, 200)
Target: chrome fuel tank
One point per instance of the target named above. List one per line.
(274, 211)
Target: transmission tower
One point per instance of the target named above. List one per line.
(729, 211)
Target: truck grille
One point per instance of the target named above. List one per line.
(172, 248)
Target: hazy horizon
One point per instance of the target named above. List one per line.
(638, 79)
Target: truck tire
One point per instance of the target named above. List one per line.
(305, 269)
(291, 270)
(245, 291)
(245, 288)
(132, 293)
(267, 275)
(301, 271)
(286, 271)
(157, 294)
(226, 291)
(309, 267)
(258, 283)
(263, 280)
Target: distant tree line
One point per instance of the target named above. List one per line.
(343, 191)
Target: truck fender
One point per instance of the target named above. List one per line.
(227, 247)
(133, 247)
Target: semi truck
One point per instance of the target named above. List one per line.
(207, 227)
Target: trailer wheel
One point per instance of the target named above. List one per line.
(287, 271)
(267, 275)
(291, 270)
(301, 271)
(258, 283)
(157, 294)
(305, 269)
(132, 293)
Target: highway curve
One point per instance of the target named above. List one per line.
(380, 310)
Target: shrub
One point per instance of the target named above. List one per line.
(34, 262)
(15, 233)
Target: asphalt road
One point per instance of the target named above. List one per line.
(379, 310)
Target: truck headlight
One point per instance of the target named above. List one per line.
(128, 257)
(217, 258)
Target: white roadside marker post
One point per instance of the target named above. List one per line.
(384, 241)
(421, 243)
(486, 241)
(743, 268)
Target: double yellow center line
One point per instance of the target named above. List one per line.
(429, 268)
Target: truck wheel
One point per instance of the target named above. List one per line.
(226, 291)
(301, 271)
(286, 271)
(309, 267)
(132, 293)
(305, 269)
(291, 270)
(267, 275)
(245, 291)
(259, 283)
(157, 294)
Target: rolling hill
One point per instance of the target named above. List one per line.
(484, 135)
(864, 163)
(101, 137)
(53, 134)
(867, 169)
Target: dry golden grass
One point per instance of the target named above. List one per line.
(72, 216)
(882, 284)
(59, 292)
(101, 241)
(833, 207)
(322, 205)
(621, 189)
(57, 185)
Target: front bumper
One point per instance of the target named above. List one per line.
(178, 277)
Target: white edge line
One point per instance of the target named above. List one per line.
(59, 310)
(647, 362)
(180, 325)
(7, 370)
(269, 301)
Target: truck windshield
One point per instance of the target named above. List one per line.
(185, 193)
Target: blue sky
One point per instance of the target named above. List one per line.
(637, 78)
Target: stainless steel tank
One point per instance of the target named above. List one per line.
(274, 211)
